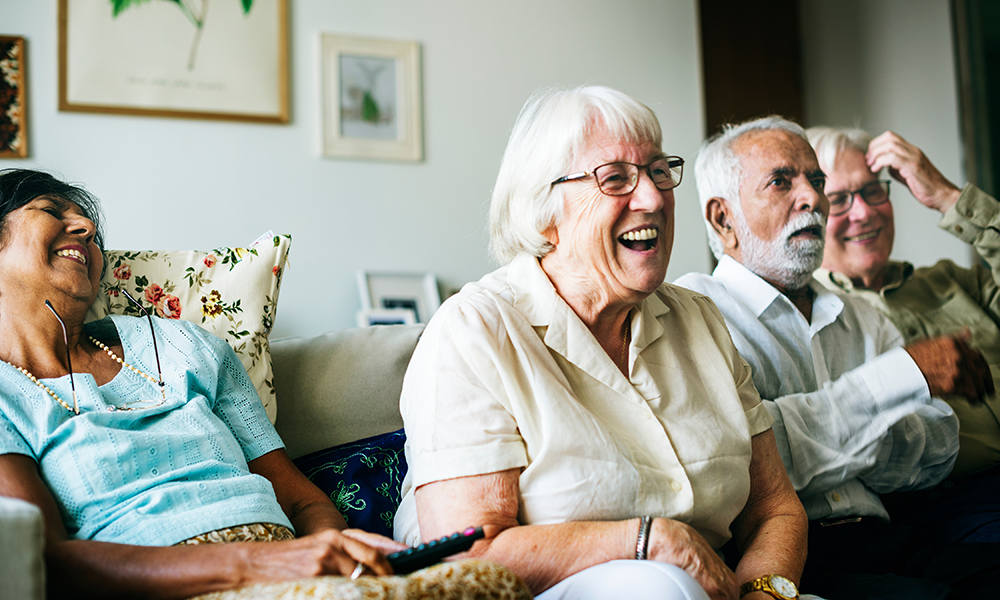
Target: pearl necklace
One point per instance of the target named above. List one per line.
(153, 380)
(28, 374)
(114, 357)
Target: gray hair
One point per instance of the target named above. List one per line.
(718, 171)
(829, 142)
(555, 125)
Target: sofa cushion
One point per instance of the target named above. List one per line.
(363, 479)
(341, 386)
(22, 568)
(231, 292)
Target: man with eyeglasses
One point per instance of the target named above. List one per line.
(939, 300)
(944, 299)
(855, 412)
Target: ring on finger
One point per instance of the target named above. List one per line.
(357, 571)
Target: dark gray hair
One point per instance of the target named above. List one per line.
(18, 187)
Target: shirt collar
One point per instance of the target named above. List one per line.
(745, 285)
(536, 299)
(758, 295)
(896, 273)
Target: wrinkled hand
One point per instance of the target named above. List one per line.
(908, 165)
(379, 542)
(679, 544)
(328, 552)
(951, 366)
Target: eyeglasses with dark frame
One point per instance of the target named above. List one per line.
(621, 178)
(875, 193)
(159, 371)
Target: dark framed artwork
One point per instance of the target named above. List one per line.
(13, 99)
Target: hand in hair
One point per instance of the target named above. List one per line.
(908, 165)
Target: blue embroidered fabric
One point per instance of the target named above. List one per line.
(363, 479)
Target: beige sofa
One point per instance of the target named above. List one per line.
(331, 389)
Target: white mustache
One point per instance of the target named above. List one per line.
(802, 221)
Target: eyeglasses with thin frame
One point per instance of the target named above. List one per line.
(621, 178)
(69, 364)
(875, 193)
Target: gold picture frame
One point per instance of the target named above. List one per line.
(191, 59)
(13, 98)
(371, 100)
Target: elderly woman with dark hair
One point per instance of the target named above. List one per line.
(581, 410)
(142, 440)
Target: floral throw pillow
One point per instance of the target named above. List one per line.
(231, 292)
(363, 478)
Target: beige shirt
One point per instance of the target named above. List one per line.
(507, 376)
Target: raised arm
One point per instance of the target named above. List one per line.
(543, 555)
(911, 167)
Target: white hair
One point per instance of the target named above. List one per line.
(829, 142)
(718, 170)
(555, 125)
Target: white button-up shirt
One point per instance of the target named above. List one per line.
(507, 376)
(853, 415)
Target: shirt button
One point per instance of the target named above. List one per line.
(649, 415)
(676, 485)
(912, 331)
(959, 229)
(968, 212)
(155, 472)
(152, 450)
(836, 497)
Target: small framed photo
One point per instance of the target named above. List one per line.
(371, 99)
(370, 317)
(415, 292)
(13, 99)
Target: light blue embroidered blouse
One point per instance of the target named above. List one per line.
(151, 477)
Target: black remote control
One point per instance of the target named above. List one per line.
(433, 552)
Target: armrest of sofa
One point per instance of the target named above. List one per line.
(22, 564)
(340, 386)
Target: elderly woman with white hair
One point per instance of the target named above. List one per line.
(598, 423)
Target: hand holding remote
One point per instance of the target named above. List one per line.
(425, 555)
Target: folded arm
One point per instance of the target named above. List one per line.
(876, 422)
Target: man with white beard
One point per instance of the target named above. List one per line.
(855, 412)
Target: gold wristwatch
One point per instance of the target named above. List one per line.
(776, 585)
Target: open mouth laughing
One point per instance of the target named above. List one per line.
(73, 254)
(640, 239)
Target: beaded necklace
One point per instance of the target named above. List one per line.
(114, 357)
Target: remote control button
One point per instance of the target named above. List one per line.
(470, 531)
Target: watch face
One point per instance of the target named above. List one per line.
(783, 586)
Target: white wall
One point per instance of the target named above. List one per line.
(889, 64)
(174, 183)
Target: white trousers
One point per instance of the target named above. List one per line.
(632, 579)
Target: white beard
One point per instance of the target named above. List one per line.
(787, 262)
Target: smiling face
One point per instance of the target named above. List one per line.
(779, 222)
(858, 242)
(611, 249)
(48, 249)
